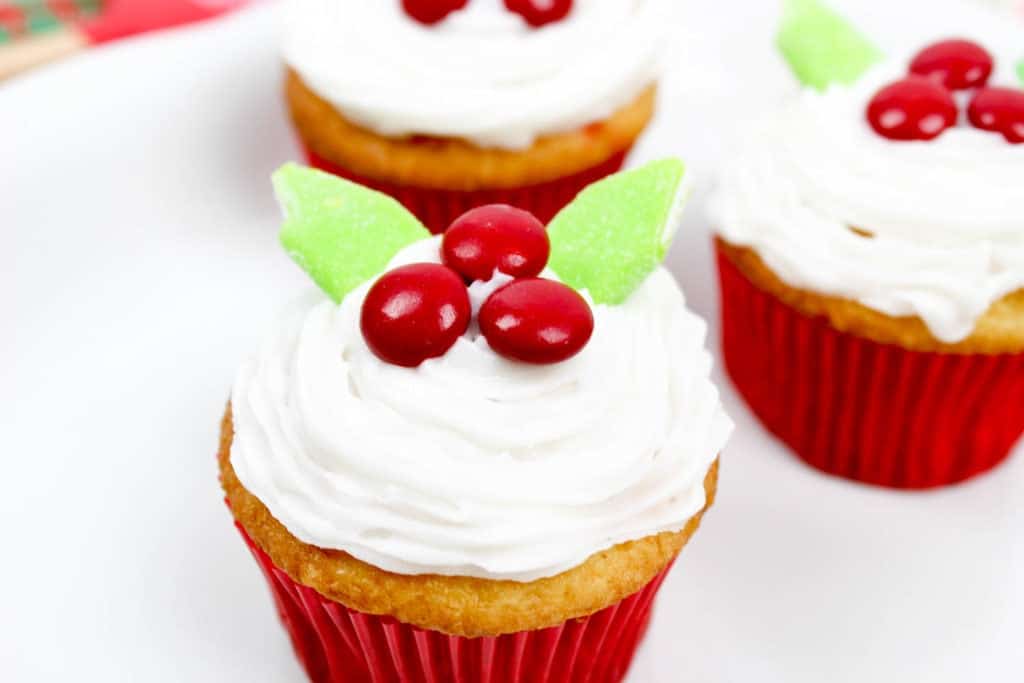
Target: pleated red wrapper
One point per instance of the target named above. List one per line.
(870, 412)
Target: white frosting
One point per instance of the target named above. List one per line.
(482, 74)
(947, 215)
(473, 465)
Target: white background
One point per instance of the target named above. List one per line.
(139, 263)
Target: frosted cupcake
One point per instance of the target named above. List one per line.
(871, 250)
(451, 105)
(486, 481)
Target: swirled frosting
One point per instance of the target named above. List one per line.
(946, 217)
(482, 74)
(470, 464)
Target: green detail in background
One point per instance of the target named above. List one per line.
(20, 19)
(618, 230)
(342, 234)
(1020, 71)
(822, 47)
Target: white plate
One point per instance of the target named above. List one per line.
(139, 263)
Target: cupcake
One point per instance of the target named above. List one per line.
(487, 481)
(871, 255)
(449, 105)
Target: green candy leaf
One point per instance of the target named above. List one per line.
(339, 232)
(821, 46)
(1020, 71)
(617, 231)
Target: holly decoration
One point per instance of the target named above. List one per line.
(415, 312)
(431, 11)
(821, 47)
(538, 321)
(339, 232)
(537, 13)
(956, 64)
(1000, 110)
(922, 107)
(912, 109)
(606, 241)
(496, 237)
(618, 230)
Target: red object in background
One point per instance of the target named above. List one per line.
(537, 13)
(497, 236)
(537, 321)
(866, 411)
(914, 108)
(338, 645)
(431, 11)
(122, 18)
(999, 110)
(438, 208)
(954, 64)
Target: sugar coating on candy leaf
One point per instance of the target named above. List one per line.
(342, 234)
(822, 47)
(617, 231)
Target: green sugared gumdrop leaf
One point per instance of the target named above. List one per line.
(340, 233)
(610, 238)
(822, 47)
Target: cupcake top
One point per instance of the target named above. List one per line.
(483, 73)
(474, 462)
(926, 222)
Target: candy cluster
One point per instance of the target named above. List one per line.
(536, 12)
(418, 311)
(922, 105)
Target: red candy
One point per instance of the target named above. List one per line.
(912, 109)
(536, 321)
(540, 12)
(1000, 110)
(431, 11)
(496, 236)
(415, 312)
(954, 64)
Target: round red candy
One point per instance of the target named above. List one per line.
(954, 64)
(536, 321)
(431, 11)
(498, 237)
(415, 312)
(540, 12)
(1000, 110)
(912, 109)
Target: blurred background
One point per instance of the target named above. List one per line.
(139, 263)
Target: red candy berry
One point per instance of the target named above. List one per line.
(496, 236)
(431, 11)
(1000, 110)
(954, 64)
(415, 312)
(536, 321)
(540, 12)
(912, 109)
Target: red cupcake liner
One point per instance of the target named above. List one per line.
(336, 644)
(870, 412)
(438, 208)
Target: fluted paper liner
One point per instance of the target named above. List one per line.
(336, 644)
(866, 411)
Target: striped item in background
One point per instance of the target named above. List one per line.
(23, 18)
